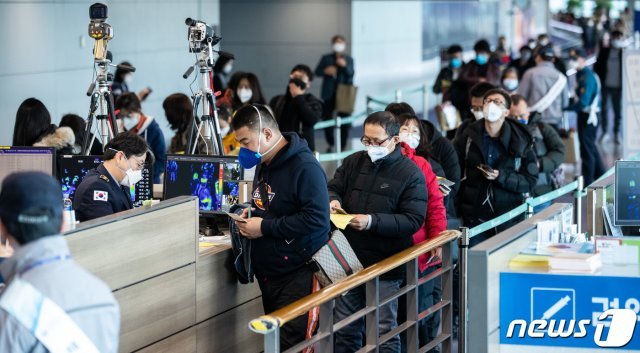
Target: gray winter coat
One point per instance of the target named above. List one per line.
(86, 299)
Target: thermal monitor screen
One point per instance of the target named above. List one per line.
(214, 180)
(627, 193)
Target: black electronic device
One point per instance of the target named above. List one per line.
(201, 35)
(23, 159)
(627, 193)
(72, 169)
(215, 180)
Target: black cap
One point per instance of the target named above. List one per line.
(30, 198)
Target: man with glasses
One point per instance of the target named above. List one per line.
(386, 194)
(476, 104)
(498, 164)
(106, 189)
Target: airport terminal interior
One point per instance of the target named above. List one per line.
(320, 176)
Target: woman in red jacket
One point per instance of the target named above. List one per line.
(435, 222)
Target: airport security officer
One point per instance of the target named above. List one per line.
(106, 189)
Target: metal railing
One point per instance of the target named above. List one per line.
(468, 233)
(323, 341)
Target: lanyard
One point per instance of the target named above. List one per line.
(45, 261)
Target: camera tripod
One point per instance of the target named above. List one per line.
(101, 108)
(205, 126)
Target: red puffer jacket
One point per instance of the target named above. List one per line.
(436, 218)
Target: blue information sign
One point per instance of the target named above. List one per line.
(564, 310)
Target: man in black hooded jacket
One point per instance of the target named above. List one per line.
(298, 110)
(498, 164)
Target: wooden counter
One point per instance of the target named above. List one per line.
(173, 297)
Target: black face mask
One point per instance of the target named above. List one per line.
(298, 82)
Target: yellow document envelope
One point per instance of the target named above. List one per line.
(341, 220)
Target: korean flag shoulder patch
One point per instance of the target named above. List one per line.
(100, 195)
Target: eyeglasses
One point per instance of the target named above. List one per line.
(496, 101)
(140, 165)
(368, 142)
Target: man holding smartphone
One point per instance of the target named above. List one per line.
(298, 110)
(498, 165)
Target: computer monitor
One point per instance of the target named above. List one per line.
(627, 193)
(23, 159)
(72, 169)
(214, 180)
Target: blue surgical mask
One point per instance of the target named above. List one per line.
(455, 63)
(482, 59)
(248, 158)
(510, 83)
(523, 121)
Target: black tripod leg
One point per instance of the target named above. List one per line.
(112, 116)
(193, 136)
(89, 125)
(216, 136)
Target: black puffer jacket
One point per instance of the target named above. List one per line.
(481, 199)
(444, 162)
(549, 150)
(393, 191)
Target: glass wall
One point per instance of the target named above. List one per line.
(447, 22)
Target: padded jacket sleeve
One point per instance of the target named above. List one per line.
(555, 149)
(522, 180)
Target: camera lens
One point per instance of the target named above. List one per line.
(98, 11)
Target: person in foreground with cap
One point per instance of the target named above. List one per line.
(545, 88)
(49, 303)
(106, 189)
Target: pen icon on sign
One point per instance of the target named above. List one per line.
(556, 307)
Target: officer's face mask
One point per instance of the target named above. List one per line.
(132, 177)
(248, 158)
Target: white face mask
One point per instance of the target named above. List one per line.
(377, 152)
(128, 79)
(573, 64)
(227, 68)
(544, 42)
(244, 94)
(478, 114)
(617, 43)
(411, 139)
(225, 130)
(131, 121)
(132, 178)
(510, 83)
(339, 47)
(494, 112)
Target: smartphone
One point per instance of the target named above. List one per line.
(485, 168)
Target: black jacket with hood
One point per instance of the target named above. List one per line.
(393, 191)
(298, 210)
(480, 199)
(549, 150)
(297, 114)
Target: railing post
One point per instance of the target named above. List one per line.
(270, 328)
(463, 247)
(372, 300)
(398, 96)
(425, 102)
(578, 209)
(412, 306)
(447, 294)
(337, 137)
(369, 110)
(325, 325)
(529, 213)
